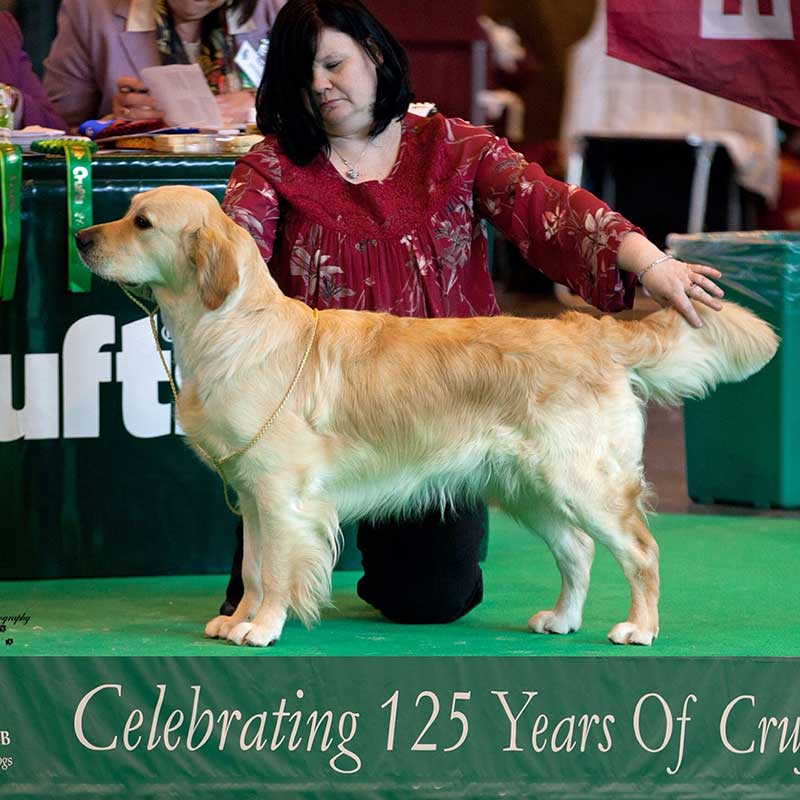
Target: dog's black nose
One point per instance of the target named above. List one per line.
(84, 240)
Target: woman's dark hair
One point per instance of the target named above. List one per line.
(281, 101)
(244, 7)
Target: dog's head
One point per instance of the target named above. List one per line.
(174, 237)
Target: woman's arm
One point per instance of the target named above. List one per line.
(252, 202)
(36, 108)
(561, 230)
(69, 75)
(574, 238)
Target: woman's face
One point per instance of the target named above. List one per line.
(344, 82)
(186, 10)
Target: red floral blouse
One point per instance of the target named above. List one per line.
(413, 244)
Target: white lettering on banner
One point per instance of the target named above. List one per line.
(39, 419)
(172, 721)
(296, 729)
(77, 721)
(667, 713)
(723, 724)
(513, 719)
(139, 370)
(83, 367)
(176, 376)
(749, 23)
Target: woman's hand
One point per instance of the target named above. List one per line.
(133, 101)
(677, 284)
(235, 107)
(670, 282)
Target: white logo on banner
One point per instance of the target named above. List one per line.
(84, 364)
(749, 23)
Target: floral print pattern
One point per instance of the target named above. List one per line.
(414, 244)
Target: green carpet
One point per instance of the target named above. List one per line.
(728, 588)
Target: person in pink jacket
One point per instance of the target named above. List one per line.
(93, 68)
(31, 106)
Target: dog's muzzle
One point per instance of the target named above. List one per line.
(84, 240)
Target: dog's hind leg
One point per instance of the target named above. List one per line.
(621, 527)
(638, 557)
(220, 626)
(573, 551)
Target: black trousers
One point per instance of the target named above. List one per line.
(419, 570)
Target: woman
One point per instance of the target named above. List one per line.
(355, 203)
(101, 47)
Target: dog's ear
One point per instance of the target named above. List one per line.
(215, 256)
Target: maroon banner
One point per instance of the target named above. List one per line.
(745, 50)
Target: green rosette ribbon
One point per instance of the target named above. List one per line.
(79, 210)
(11, 193)
(78, 156)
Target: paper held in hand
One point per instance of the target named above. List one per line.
(182, 93)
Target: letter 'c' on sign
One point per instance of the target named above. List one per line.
(78, 720)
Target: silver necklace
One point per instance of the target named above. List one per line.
(352, 169)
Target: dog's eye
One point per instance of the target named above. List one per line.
(142, 222)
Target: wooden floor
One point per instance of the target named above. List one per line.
(664, 452)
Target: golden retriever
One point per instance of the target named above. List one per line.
(543, 417)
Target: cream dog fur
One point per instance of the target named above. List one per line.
(543, 417)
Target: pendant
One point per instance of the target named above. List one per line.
(352, 174)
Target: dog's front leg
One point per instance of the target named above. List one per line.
(264, 627)
(272, 571)
(220, 626)
(298, 536)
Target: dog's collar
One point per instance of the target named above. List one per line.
(219, 463)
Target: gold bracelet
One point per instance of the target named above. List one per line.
(650, 266)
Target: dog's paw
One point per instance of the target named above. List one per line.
(237, 633)
(552, 622)
(629, 633)
(217, 628)
(261, 636)
(246, 633)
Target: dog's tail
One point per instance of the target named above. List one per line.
(669, 360)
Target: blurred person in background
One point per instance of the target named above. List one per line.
(29, 103)
(93, 68)
(512, 65)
